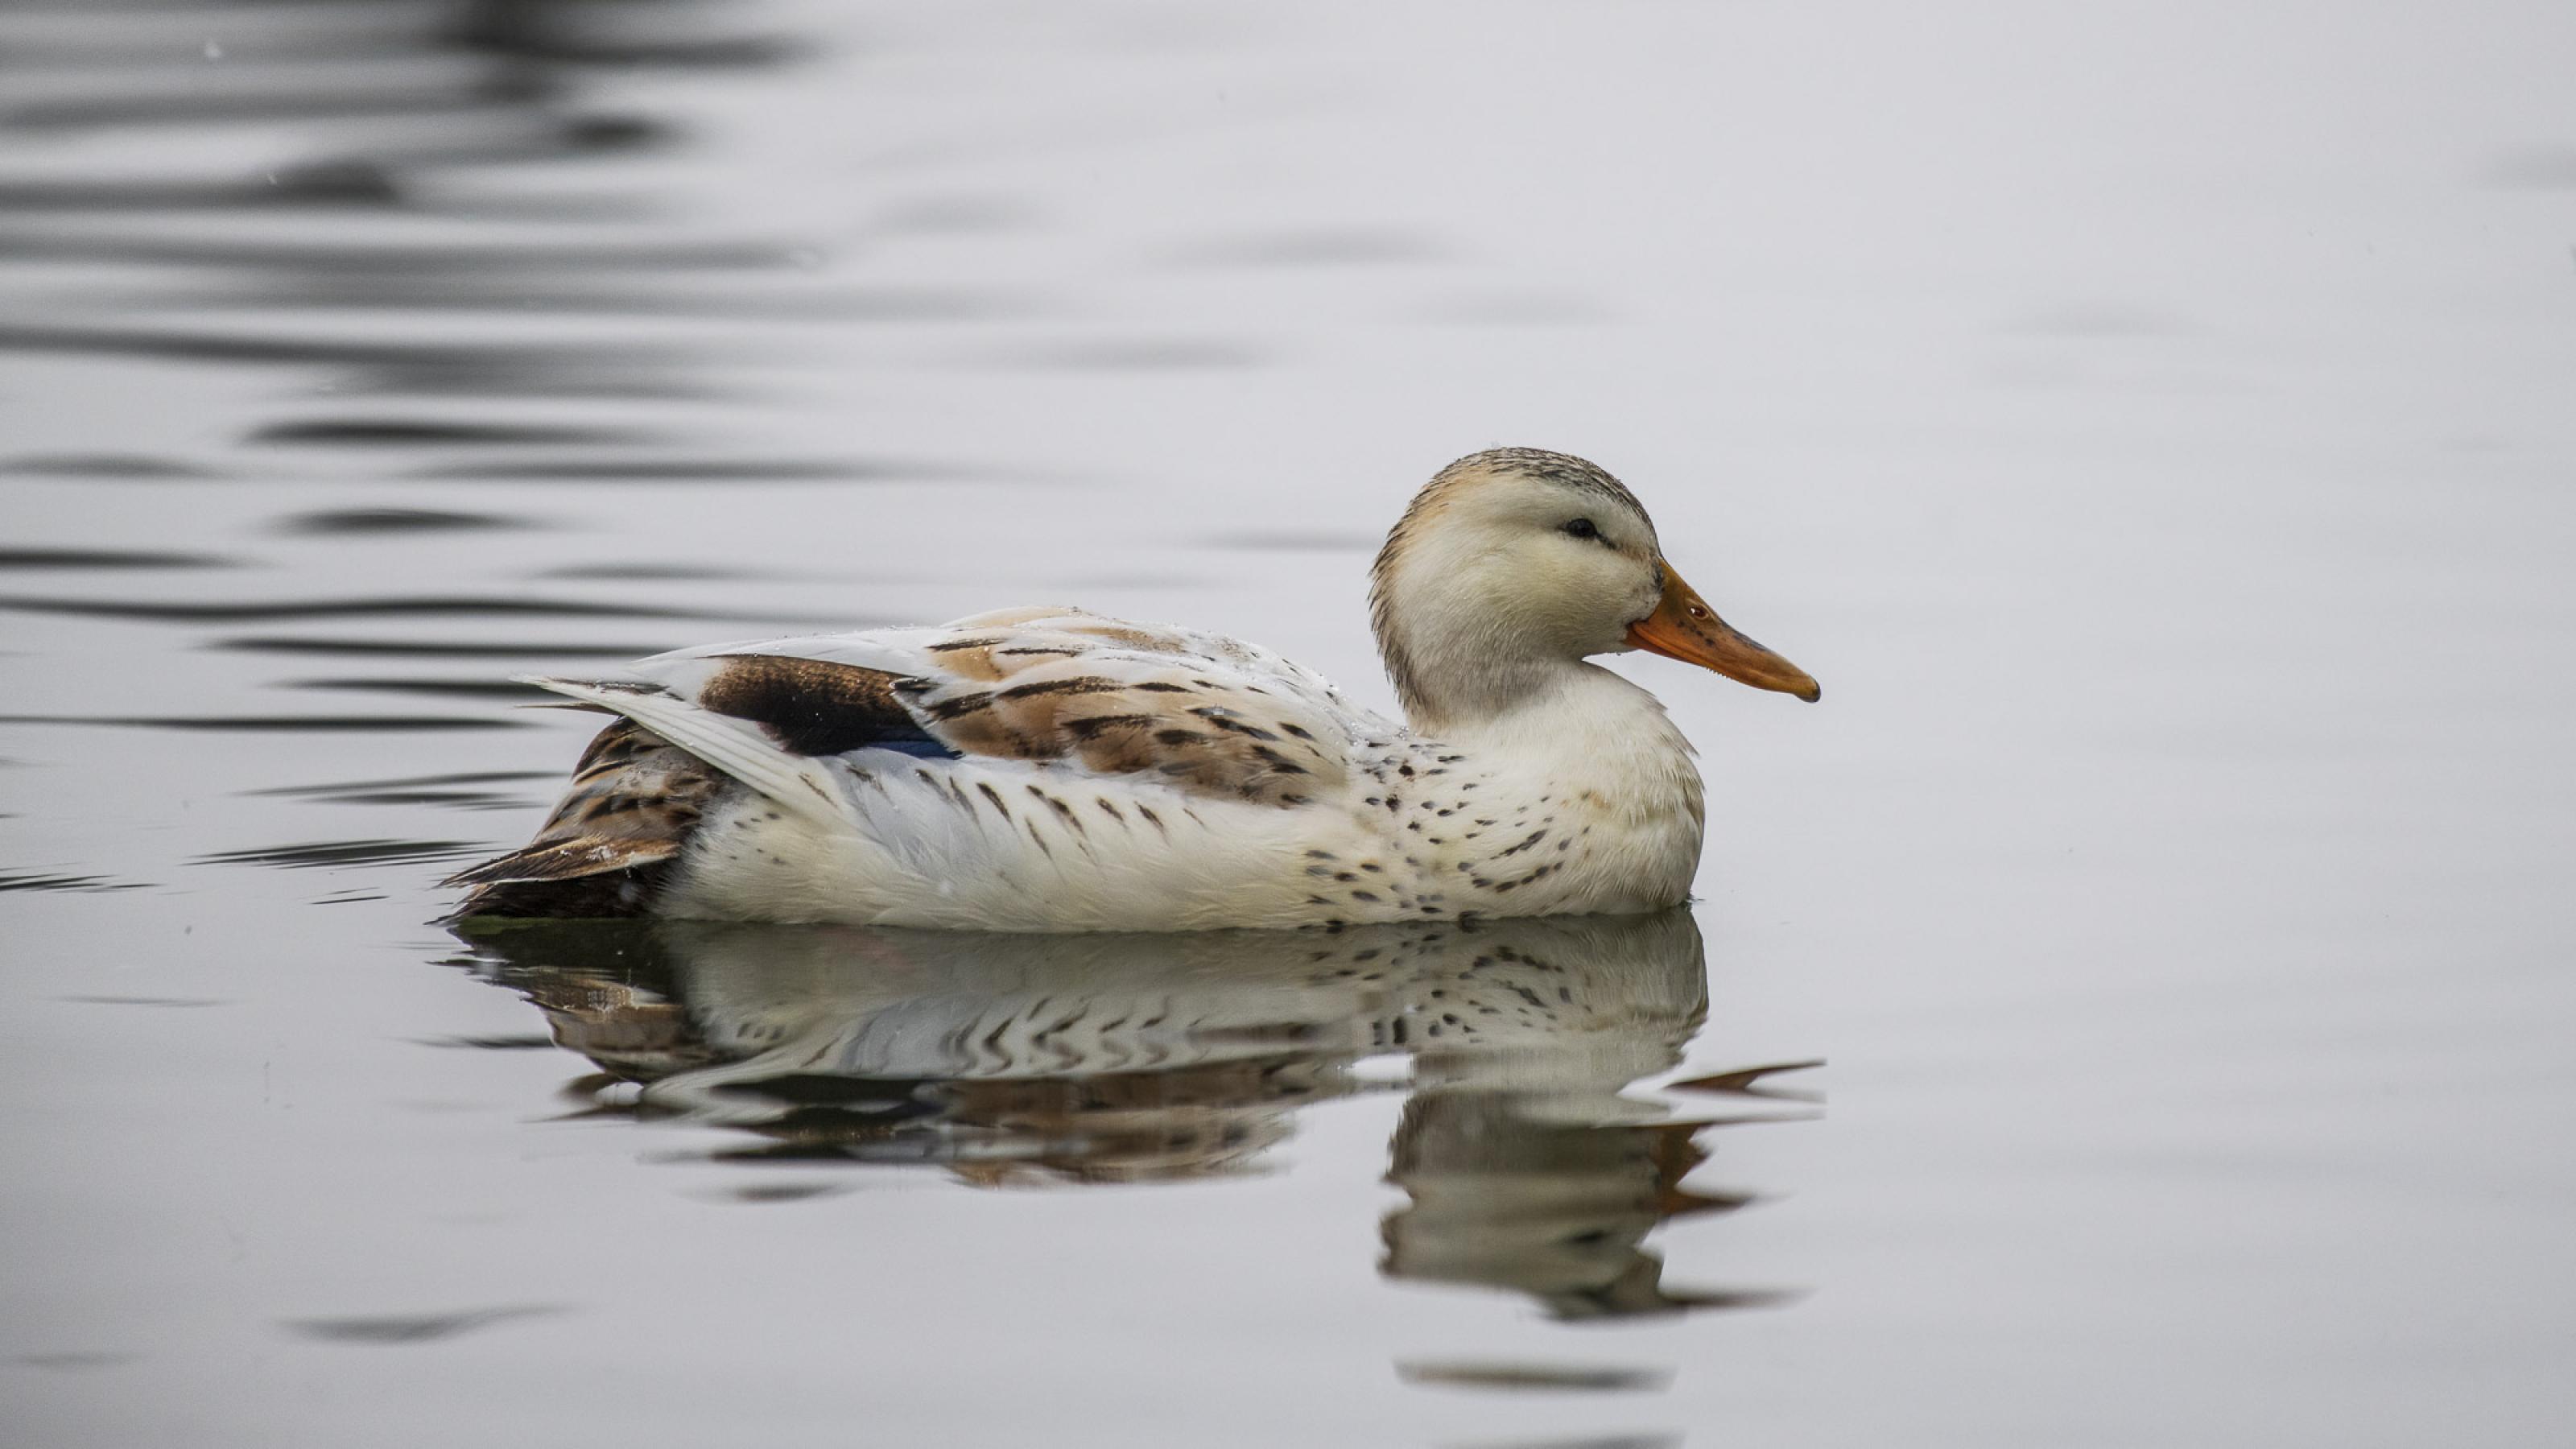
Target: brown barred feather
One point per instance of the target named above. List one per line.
(1118, 714)
(1054, 684)
(633, 802)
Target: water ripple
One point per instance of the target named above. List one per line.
(415, 1327)
(332, 854)
(246, 610)
(432, 688)
(333, 522)
(494, 649)
(417, 432)
(107, 558)
(453, 791)
(38, 881)
(274, 723)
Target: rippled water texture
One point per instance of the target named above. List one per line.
(2154, 424)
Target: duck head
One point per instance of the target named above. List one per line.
(1515, 561)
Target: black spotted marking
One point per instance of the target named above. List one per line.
(815, 707)
(1027, 649)
(1297, 731)
(951, 646)
(1060, 808)
(1086, 684)
(994, 798)
(956, 706)
(1157, 686)
(1092, 727)
(1228, 720)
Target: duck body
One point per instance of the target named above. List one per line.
(1050, 769)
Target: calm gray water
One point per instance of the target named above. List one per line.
(2156, 425)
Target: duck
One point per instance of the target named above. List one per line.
(1048, 769)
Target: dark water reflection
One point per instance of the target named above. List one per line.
(404, 211)
(1015, 1060)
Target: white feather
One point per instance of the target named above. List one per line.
(734, 746)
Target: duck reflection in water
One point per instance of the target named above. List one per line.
(1024, 1059)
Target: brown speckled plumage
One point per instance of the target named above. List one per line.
(633, 802)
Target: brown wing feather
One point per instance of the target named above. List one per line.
(1204, 714)
(1118, 709)
(812, 706)
(633, 802)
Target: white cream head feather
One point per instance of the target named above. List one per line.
(1514, 561)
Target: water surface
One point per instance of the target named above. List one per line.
(2153, 424)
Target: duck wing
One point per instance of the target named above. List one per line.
(1203, 714)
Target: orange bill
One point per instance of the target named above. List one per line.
(1684, 627)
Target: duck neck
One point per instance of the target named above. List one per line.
(1552, 723)
(1457, 667)
(1446, 698)
(1577, 730)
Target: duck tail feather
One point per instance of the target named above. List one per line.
(735, 746)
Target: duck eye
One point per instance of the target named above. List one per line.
(1582, 528)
